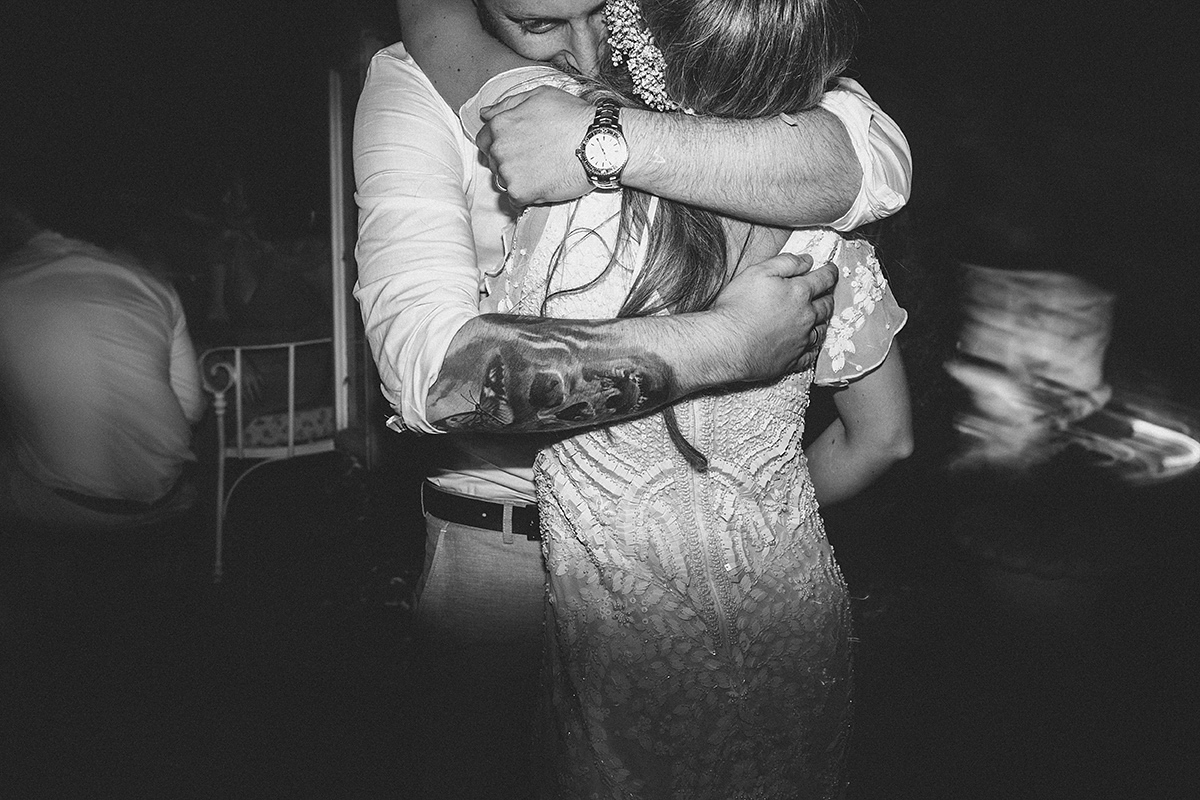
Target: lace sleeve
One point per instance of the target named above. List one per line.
(866, 317)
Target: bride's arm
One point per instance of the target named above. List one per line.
(448, 42)
(872, 432)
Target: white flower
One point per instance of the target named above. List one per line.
(632, 44)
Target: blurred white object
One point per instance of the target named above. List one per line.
(1032, 358)
(1042, 328)
(1141, 439)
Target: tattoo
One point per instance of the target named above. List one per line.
(549, 375)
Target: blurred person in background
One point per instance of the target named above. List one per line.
(99, 382)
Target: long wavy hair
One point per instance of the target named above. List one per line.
(735, 59)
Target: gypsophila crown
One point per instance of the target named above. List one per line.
(631, 43)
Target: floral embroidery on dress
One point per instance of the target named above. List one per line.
(866, 317)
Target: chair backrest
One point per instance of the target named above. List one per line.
(282, 397)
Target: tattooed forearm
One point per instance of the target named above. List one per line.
(528, 374)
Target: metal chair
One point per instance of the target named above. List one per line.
(282, 398)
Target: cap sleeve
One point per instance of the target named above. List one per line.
(510, 82)
(866, 317)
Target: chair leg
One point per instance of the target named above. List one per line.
(218, 545)
(218, 563)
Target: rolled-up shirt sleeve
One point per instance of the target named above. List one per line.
(418, 282)
(882, 152)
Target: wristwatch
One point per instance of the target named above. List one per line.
(603, 151)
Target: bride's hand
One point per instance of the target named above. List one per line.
(529, 141)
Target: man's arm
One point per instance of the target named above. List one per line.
(509, 374)
(762, 170)
(843, 164)
(418, 282)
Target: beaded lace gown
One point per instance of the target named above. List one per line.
(698, 626)
(698, 629)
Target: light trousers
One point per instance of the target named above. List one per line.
(480, 608)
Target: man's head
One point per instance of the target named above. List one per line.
(569, 33)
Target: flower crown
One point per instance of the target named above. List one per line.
(632, 43)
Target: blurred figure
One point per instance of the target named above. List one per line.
(99, 385)
(1032, 356)
(1031, 353)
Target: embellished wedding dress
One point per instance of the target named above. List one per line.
(698, 632)
(698, 626)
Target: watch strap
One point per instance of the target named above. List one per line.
(608, 115)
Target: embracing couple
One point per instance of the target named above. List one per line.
(598, 247)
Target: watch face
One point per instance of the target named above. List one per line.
(605, 151)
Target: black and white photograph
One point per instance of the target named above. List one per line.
(598, 400)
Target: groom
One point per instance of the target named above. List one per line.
(432, 221)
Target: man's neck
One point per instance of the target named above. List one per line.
(454, 54)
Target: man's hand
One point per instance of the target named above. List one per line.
(529, 141)
(777, 312)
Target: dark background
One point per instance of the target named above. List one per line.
(1069, 124)
(169, 100)
(1044, 135)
